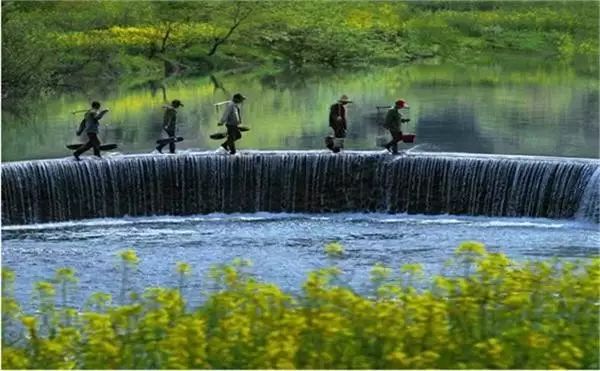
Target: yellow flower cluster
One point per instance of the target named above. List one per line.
(139, 35)
(496, 314)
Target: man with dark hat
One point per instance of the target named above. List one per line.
(91, 125)
(232, 119)
(393, 121)
(337, 121)
(169, 124)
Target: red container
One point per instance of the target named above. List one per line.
(408, 138)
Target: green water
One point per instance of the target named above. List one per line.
(535, 110)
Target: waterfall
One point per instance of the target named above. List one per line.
(589, 208)
(196, 183)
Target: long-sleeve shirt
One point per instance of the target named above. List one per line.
(232, 116)
(91, 121)
(170, 118)
(337, 116)
(393, 119)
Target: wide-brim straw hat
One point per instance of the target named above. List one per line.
(344, 99)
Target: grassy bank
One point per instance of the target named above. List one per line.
(495, 314)
(56, 45)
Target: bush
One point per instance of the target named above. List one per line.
(496, 314)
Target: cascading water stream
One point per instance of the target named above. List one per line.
(589, 208)
(196, 183)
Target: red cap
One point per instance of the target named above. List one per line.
(401, 103)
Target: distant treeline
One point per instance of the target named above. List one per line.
(59, 44)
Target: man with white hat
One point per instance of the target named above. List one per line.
(337, 121)
(232, 119)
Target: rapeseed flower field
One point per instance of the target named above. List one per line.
(494, 313)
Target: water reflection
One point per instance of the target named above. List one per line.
(454, 127)
(536, 111)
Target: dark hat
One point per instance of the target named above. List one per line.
(176, 103)
(238, 97)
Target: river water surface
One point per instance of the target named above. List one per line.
(283, 247)
(532, 108)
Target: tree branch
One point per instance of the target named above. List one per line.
(238, 18)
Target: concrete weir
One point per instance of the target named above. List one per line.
(300, 181)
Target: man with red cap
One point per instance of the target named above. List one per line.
(393, 121)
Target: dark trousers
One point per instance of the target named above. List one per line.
(171, 133)
(233, 134)
(338, 132)
(93, 142)
(393, 144)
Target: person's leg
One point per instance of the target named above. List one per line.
(95, 144)
(171, 133)
(329, 142)
(396, 137)
(160, 146)
(233, 134)
(83, 148)
(390, 144)
(229, 144)
(339, 133)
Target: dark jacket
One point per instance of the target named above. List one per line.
(170, 118)
(91, 121)
(337, 116)
(393, 119)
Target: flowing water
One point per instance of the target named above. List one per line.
(200, 183)
(283, 247)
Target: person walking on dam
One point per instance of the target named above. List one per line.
(339, 124)
(393, 122)
(170, 125)
(91, 125)
(232, 119)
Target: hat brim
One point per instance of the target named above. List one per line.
(344, 101)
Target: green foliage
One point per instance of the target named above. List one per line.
(27, 63)
(52, 43)
(499, 314)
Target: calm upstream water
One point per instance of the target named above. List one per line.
(283, 247)
(531, 109)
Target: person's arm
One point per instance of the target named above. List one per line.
(81, 127)
(333, 115)
(100, 114)
(402, 119)
(238, 115)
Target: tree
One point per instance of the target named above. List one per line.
(237, 13)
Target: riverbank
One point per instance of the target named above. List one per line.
(72, 43)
